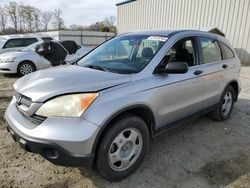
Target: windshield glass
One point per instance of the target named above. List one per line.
(31, 47)
(124, 54)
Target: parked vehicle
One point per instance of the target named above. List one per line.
(105, 111)
(28, 60)
(19, 42)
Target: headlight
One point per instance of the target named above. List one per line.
(8, 60)
(67, 106)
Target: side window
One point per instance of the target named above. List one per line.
(227, 53)
(30, 41)
(46, 39)
(210, 50)
(13, 43)
(183, 50)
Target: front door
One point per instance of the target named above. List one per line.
(179, 95)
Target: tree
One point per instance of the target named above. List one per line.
(21, 9)
(58, 22)
(12, 10)
(46, 19)
(37, 18)
(29, 16)
(3, 18)
(110, 21)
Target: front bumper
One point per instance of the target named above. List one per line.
(8, 67)
(62, 141)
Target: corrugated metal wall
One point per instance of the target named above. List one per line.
(230, 16)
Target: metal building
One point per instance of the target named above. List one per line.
(232, 17)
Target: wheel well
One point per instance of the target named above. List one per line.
(143, 112)
(235, 86)
(28, 61)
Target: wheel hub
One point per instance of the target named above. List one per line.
(227, 103)
(125, 149)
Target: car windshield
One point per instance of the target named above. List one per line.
(31, 47)
(125, 54)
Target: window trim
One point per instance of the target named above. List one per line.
(196, 50)
(4, 46)
(23, 42)
(201, 52)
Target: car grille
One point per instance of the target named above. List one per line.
(36, 119)
(23, 103)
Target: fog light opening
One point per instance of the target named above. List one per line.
(50, 153)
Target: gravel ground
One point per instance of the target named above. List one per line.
(203, 153)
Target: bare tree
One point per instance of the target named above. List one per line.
(110, 21)
(37, 18)
(46, 19)
(58, 22)
(29, 16)
(3, 18)
(12, 10)
(21, 15)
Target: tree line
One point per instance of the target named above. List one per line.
(19, 18)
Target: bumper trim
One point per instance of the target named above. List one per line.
(50, 151)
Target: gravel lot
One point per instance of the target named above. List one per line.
(203, 153)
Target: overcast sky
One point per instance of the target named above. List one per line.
(81, 12)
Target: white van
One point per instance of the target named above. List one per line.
(18, 42)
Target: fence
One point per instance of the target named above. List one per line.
(86, 38)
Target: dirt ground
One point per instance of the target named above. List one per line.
(203, 153)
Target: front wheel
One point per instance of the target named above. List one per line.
(225, 107)
(25, 68)
(122, 148)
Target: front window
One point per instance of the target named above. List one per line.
(124, 54)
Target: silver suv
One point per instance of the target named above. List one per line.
(103, 111)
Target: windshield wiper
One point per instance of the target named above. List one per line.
(97, 67)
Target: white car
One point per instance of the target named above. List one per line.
(27, 60)
(19, 42)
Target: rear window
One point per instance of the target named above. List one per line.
(30, 41)
(227, 53)
(46, 39)
(210, 50)
(21, 42)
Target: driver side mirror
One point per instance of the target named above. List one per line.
(177, 67)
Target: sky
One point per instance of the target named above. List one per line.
(80, 12)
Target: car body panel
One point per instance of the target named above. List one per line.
(31, 56)
(56, 79)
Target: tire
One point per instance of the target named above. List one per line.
(122, 148)
(224, 110)
(25, 68)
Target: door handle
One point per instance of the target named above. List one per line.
(198, 72)
(224, 66)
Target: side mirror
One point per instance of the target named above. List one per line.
(177, 67)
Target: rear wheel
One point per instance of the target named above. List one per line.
(122, 148)
(225, 107)
(25, 68)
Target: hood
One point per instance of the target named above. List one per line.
(44, 84)
(11, 54)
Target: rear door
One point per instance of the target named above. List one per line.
(211, 68)
(179, 95)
